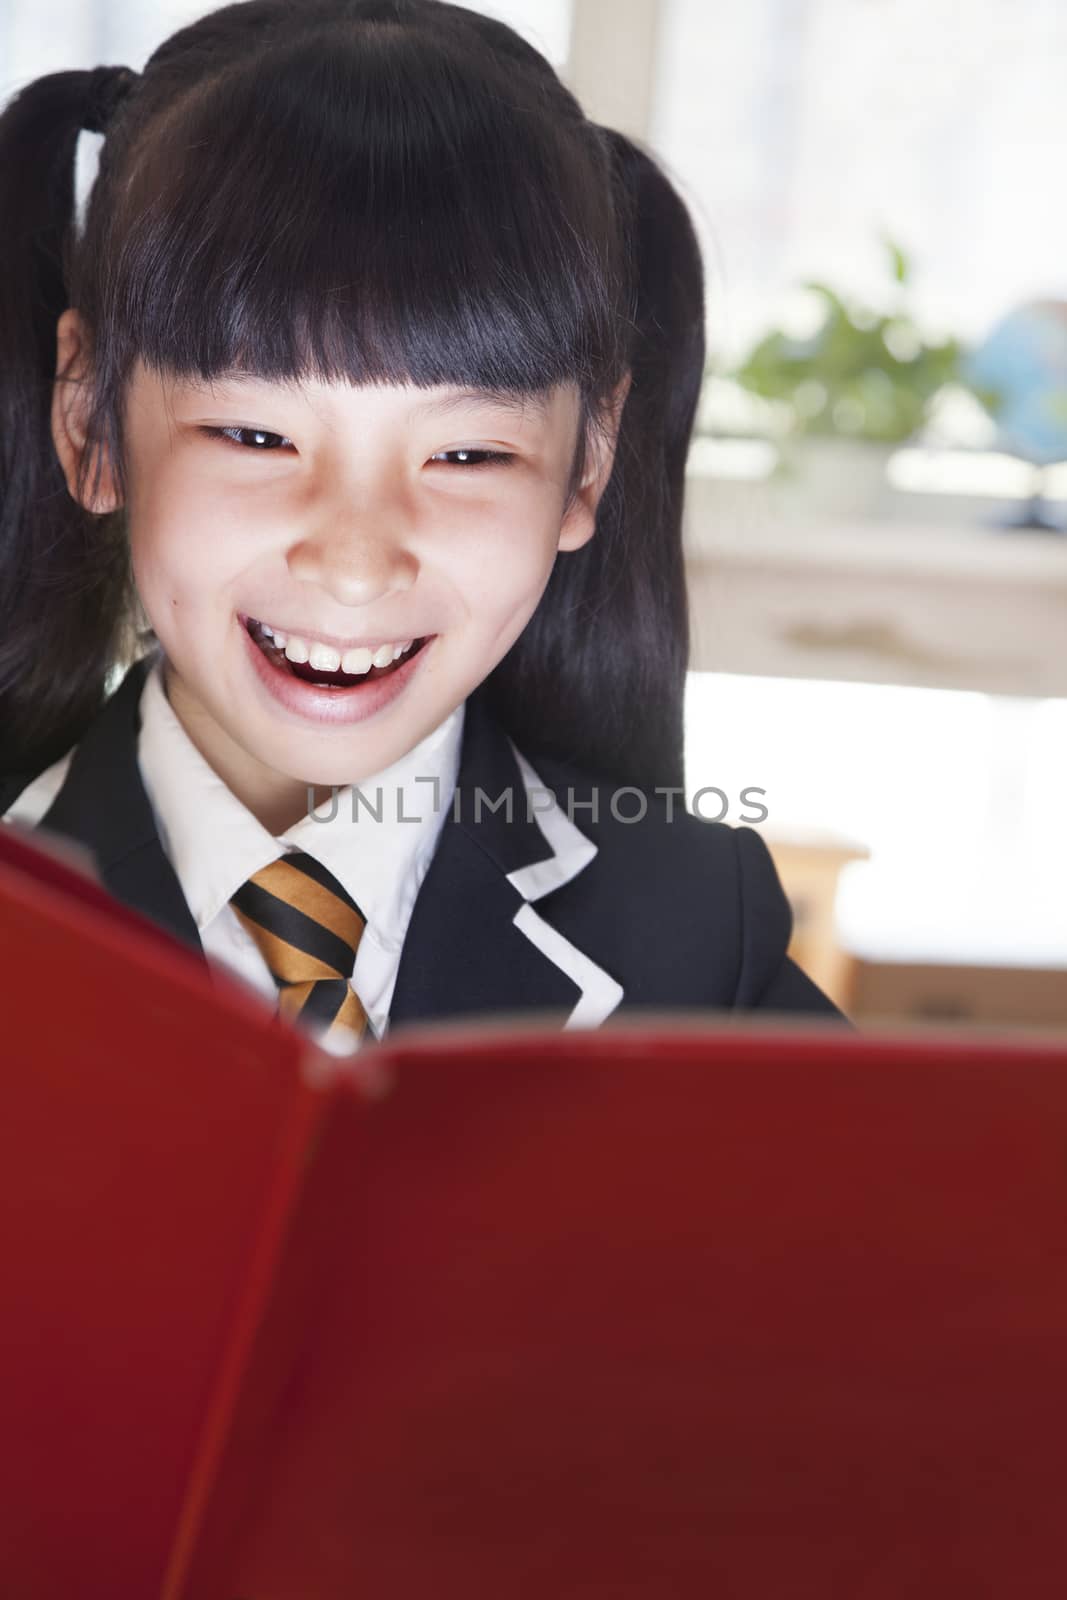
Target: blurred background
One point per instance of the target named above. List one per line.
(876, 516)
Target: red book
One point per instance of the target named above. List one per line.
(674, 1308)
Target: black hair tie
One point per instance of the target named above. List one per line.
(105, 90)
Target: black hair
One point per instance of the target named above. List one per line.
(370, 191)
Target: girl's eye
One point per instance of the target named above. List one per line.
(474, 460)
(259, 435)
(471, 460)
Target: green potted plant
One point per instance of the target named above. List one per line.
(847, 391)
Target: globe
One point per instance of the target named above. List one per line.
(1023, 359)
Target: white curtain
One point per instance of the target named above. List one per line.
(800, 129)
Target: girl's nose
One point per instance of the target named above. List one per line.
(352, 565)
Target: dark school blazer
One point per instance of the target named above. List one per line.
(682, 915)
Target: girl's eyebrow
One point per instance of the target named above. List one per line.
(500, 400)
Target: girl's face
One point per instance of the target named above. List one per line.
(346, 519)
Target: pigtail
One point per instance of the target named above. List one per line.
(598, 676)
(63, 571)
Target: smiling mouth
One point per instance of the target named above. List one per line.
(324, 680)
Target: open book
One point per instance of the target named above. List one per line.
(677, 1307)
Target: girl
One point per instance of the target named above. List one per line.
(350, 432)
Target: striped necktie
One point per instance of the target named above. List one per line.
(308, 930)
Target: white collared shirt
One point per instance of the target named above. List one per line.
(379, 850)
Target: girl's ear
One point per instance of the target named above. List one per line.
(579, 523)
(71, 394)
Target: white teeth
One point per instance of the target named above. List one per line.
(360, 660)
(324, 658)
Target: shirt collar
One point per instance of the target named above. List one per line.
(214, 843)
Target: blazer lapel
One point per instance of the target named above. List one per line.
(103, 805)
(476, 943)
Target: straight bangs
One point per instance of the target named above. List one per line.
(390, 211)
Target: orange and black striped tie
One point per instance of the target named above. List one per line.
(308, 929)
